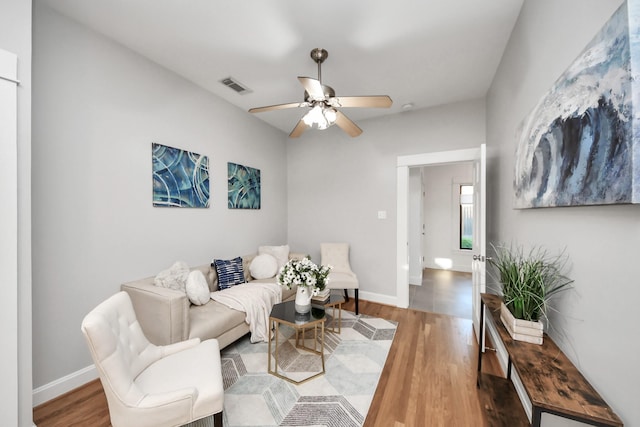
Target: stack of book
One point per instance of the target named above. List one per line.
(322, 297)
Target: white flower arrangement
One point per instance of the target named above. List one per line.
(304, 272)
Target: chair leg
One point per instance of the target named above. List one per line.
(217, 419)
(356, 296)
(346, 295)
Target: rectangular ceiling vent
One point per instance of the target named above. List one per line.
(232, 83)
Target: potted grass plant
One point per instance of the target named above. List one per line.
(527, 281)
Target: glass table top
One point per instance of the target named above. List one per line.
(286, 311)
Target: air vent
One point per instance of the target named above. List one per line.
(232, 83)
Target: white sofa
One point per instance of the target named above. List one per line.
(167, 316)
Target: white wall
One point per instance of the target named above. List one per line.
(597, 325)
(15, 191)
(97, 109)
(442, 215)
(415, 226)
(337, 184)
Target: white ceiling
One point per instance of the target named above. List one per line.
(423, 52)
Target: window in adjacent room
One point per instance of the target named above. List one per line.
(466, 216)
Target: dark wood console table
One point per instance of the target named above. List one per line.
(553, 384)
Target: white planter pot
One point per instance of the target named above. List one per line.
(521, 330)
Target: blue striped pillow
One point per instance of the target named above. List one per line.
(230, 272)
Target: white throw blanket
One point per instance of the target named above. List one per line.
(256, 300)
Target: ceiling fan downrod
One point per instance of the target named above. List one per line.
(319, 55)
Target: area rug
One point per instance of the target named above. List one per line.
(354, 360)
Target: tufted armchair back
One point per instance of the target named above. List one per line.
(118, 346)
(336, 255)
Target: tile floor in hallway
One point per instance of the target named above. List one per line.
(444, 292)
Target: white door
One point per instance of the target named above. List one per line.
(478, 265)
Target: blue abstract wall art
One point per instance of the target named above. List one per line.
(180, 178)
(576, 147)
(244, 187)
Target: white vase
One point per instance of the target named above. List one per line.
(303, 299)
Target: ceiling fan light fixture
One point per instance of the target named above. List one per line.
(330, 114)
(320, 116)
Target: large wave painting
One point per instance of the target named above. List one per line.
(576, 147)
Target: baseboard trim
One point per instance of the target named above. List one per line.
(63, 385)
(379, 298)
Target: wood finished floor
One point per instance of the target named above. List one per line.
(429, 378)
(444, 292)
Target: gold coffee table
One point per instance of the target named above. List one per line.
(285, 313)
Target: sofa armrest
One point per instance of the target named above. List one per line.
(162, 313)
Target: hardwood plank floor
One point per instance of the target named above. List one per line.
(443, 291)
(429, 378)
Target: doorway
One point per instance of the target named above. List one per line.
(440, 238)
(479, 158)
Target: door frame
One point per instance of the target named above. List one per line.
(9, 307)
(402, 236)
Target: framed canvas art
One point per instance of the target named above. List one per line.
(180, 178)
(244, 187)
(576, 147)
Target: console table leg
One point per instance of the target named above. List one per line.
(480, 343)
(536, 416)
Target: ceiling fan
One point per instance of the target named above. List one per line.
(324, 103)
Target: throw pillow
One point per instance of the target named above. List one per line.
(280, 253)
(173, 278)
(197, 288)
(230, 272)
(263, 266)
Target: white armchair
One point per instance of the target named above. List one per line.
(341, 276)
(149, 385)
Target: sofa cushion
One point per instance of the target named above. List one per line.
(263, 266)
(230, 272)
(197, 288)
(280, 253)
(174, 277)
(213, 319)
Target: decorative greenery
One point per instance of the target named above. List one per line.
(466, 242)
(528, 280)
(304, 272)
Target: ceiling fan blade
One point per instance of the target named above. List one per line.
(382, 101)
(279, 107)
(297, 131)
(313, 88)
(347, 125)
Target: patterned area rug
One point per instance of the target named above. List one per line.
(354, 360)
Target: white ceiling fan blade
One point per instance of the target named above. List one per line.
(382, 101)
(347, 125)
(279, 107)
(313, 88)
(297, 131)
